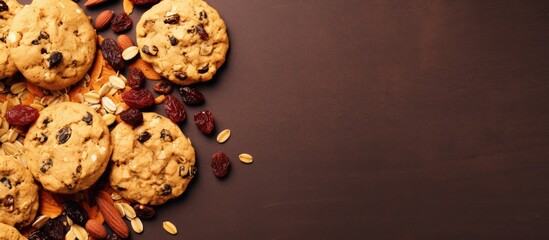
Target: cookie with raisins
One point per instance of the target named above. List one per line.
(52, 43)
(153, 162)
(18, 193)
(8, 9)
(68, 147)
(9, 232)
(184, 40)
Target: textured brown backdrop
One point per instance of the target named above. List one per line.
(374, 120)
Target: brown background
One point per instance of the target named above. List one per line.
(374, 120)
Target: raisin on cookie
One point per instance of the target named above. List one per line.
(18, 193)
(184, 40)
(8, 9)
(67, 148)
(52, 43)
(152, 163)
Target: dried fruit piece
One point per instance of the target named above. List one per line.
(202, 32)
(64, 134)
(55, 59)
(135, 78)
(103, 19)
(163, 87)
(112, 53)
(55, 229)
(204, 120)
(76, 212)
(246, 158)
(172, 19)
(113, 236)
(147, 69)
(143, 137)
(144, 2)
(174, 109)
(88, 119)
(4, 6)
(169, 227)
(144, 211)
(223, 136)
(48, 205)
(191, 96)
(153, 51)
(138, 98)
(121, 23)
(220, 164)
(38, 235)
(173, 40)
(132, 116)
(21, 115)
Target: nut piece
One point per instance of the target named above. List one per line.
(223, 136)
(93, 2)
(128, 210)
(128, 6)
(103, 19)
(137, 225)
(130, 52)
(96, 229)
(124, 41)
(111, 215)
(40, 221)
(169, 227)
(246, 158)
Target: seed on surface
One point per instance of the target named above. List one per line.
(137, 225)
(130, 52)
(109, 119)
(108, 104)
(246, 158)
(18, 87)
(91, 97)
(120, 209)
(116, 196)
(104, 89)
(79, 232)
(40, 221)
(128, 210)
(117, 82)
(223, 136)
(169, 227)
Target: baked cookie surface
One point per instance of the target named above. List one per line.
(10, 233)
(8, 9)
(67, 148)
(52, 43)
(184, 40)
(153, 162)
(18, 193)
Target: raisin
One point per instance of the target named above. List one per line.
(3, 6)
(143, 137)
(166, 136)
(204, 69)
(202, 15)
(46, 121)
(153, 51)
(174, 109)
(43, 35)
(138, 98)
(121, 23)
(42, 139)
(35, 42)
(144, 2)
(6, 182)
(88, 119)
(38, 235)
(163, 87)
(55, 229)
(182, 172)
(113, 236)
(55, 59)
(181, 75)
(204, 120)
(202, 32)
(64, 134)
(166, 190)
(220, 164)
(135, 78)
(75, 212)
(8, 202)
(173, 40)
(172, 19)
(132, 116)
(191, 96)
(21, 115)
(144, 211)
(46, 165)
(112, 53)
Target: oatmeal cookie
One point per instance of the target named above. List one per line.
(8, 9)
(52, 43)
(18, 193)
(10, 233)
(153, 162)
(67, 148)
(184, 40)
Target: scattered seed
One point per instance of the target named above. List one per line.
(70, 235)
(69, 221)
(108, 104)
(246, 158)
(223, 136)
(169, 227)
(40, 221)
(80, 232)
(117, 82)
(116, 196)
(18, 87)
(120, 209)
(128, 210)
(130, 53)
(105, 89)
(110, 119)
(137, 225)
(91, 97)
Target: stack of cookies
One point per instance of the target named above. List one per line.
(49, 46)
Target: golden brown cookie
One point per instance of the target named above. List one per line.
(10, 233)
(184, 40)
(8, 9)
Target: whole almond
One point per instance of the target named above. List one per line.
(93, 2)
(96, 229)
(111, 215)
(124, 41)
(103, 19)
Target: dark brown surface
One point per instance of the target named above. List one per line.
(374, 120)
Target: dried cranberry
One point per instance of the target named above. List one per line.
(135, 78)
(204, 120)
(121, 23)
(132, 116)
(220, 164)
(112, 53)
(138, 98)
(163, 87)
(202, 32)
(191, 96)
(144, 2)
(75, 212)
(54, 229)
(174, 109)
(21, 115)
